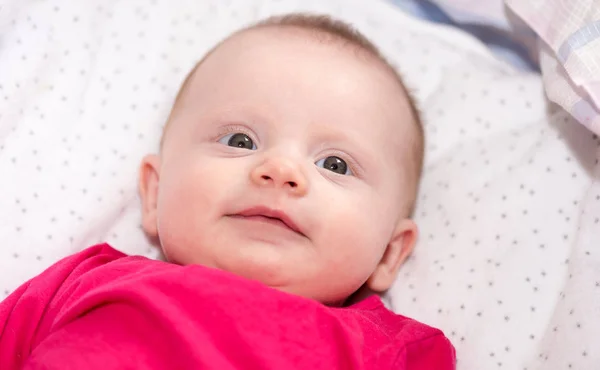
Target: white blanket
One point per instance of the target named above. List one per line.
(506, 264)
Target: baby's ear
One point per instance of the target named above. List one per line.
(148, 187)
(397, 251)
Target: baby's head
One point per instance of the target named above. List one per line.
(292, 156)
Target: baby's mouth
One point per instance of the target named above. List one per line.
(271, 216)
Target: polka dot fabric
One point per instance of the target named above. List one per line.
(509, 207)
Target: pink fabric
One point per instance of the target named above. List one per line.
(101, 309)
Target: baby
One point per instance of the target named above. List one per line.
(281, 199)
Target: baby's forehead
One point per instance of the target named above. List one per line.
(268, 40)
(364, 64)
(251, 52)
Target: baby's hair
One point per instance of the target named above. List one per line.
(327, 29)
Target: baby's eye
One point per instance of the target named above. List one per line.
(238, 140)
(334, 164)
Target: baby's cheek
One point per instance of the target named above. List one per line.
(375, 222)
(182, 201)
(177, 195)
(355, 230)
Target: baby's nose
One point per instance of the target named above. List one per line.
(280, 173)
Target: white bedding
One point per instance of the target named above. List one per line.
(509, 206)
(564, 36)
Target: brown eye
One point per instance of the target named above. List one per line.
(238, 140)
(334, 164)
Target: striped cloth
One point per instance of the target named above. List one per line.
(570, 54)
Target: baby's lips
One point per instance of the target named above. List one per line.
(271, 213)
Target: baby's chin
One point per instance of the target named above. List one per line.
(268, 267)
(291, 281)
(292, 269)
(278, 277)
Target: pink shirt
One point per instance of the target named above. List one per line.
(101, 309)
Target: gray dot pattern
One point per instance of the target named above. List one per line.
(509, 208)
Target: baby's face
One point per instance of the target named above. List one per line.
(283, 163)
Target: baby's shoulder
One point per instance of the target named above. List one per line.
(372, 315)
(389, 334)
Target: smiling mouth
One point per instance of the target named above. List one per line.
(268, 216)
(265, 219)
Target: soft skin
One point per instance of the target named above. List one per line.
(276, 210)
